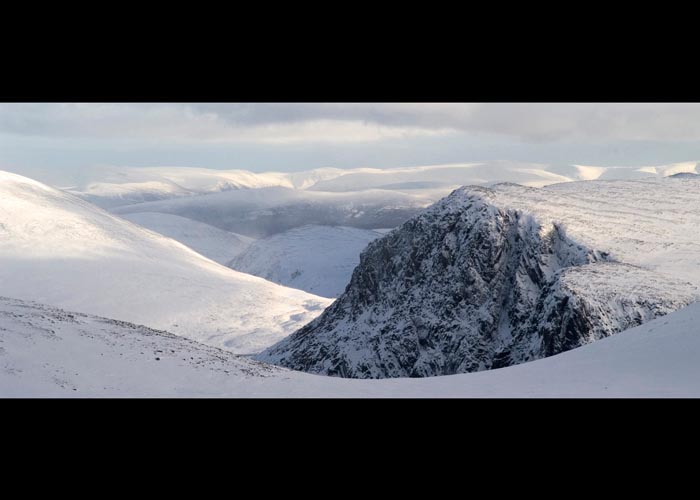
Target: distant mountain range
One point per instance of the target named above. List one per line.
(118, 186)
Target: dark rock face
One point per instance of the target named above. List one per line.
(469, 286)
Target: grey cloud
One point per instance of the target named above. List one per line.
(543, 122)
(540, 122)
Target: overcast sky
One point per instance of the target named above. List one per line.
(57, 139)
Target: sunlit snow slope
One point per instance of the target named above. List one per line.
(652, 223)
(218, 245)
(63, 251)
(316, 259)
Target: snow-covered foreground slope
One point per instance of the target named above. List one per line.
(316, 259)
(218, 245)
(493, 277)
(47, 352)
(60, 250)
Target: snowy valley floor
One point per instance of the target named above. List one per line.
(48, 352)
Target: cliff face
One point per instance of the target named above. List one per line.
(470, 285)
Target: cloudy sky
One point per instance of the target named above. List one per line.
(57, 140)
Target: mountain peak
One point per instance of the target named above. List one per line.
(487, 277)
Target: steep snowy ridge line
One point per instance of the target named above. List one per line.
(471, 284)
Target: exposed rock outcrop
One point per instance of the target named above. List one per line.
(470, 285)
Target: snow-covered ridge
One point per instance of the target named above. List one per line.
(48, 352)
(124, 185)
(494, 277)
(60, 250)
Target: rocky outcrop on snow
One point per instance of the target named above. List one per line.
(471, 284)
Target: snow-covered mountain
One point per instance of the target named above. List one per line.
(495, 277)
(48, 352)
(60, 250)
(316, 259)
(119, 186)
(218, 245)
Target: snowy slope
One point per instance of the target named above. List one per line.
(652, 223)
(591, 173)
(107, 194)
(63, 251)
(316, 259)
(493, 277)
(216, 244)
(45, 351)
